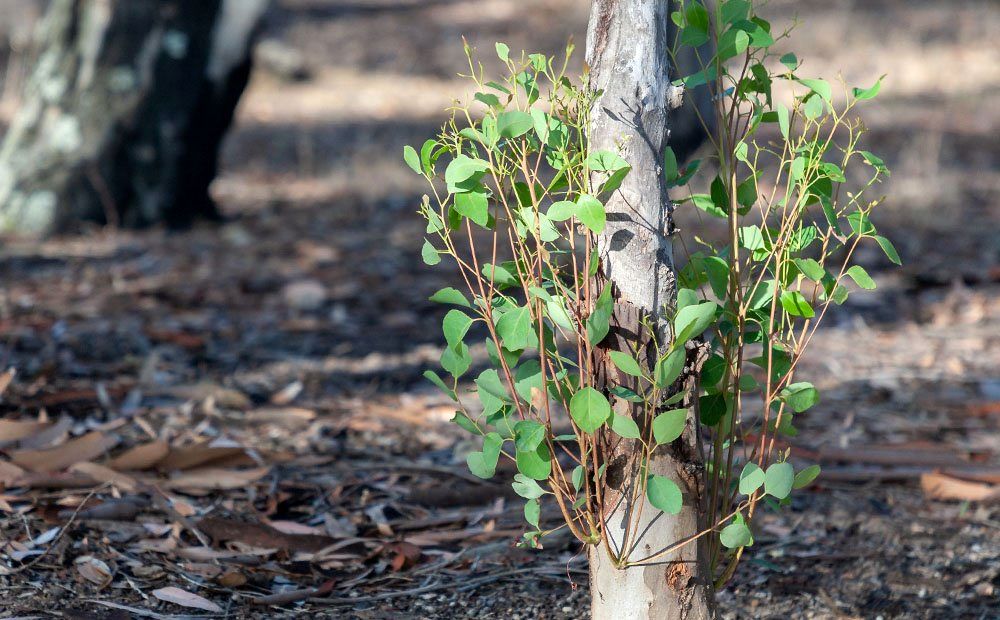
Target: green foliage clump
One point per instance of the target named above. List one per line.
(517, 208)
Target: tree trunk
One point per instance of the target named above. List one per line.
(123, 115)
(626, 51)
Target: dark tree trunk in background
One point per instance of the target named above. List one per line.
(122, 117)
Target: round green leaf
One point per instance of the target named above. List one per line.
(590, 212)
(526, 487)
(778, 480)
(516, 329)
(484, 464)
(736, 535)
(693, 320)
(589, 409)
(664, 494)
(626, 363)
(532, 510)
(455, 325)
(450, 295)
(751, 478)
(535, 464)
(669, 425)
(800, 396)
(514, 123)
(669, 368)
(624, 426)
(529, 434)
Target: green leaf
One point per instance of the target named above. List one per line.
(868, 93)
(693, 320)
(664, 494)
(455, 325)
(463, 168)
(625, 394)
(888, 248)
(717, 270)
(528, 434)
(499, 275)
(484, 464)
(562, 210)
(712, 407)
(820, 87)
(430, 254)
(449, 295)
(795, 304)
(669, 425)
(412, 159)
(810, 268)
(668, 368)
(861, 277)
(589, 409)
(790, 61)
(514, 123)
(746, 192)
(599, 321)
(783, 120)
(751, 478)
(503, 52)
(670, 172)
(626, 363)
(607, 161)
(736, 535)
(466, 423)
(535, 464)
(805, 477)
(475, 206)
(590, 212)
(874, 161)
(734, 11)
(733, 43)
(800, 396)
(456, 360)
(778, 480)
(433, 377)
(516, 329)
(532, 511)
(706, 204)
(624, 426)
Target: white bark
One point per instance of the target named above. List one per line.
(626, 50)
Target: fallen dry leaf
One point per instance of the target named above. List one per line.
(84, 448)
(942, 486)
(193, 456)
(405, 555)
(15, 430)
(10, 473)
(103, 474)
(140, 457)
(260, 535)
(231, 579)
(94, 570)
(5, 379)
(217, 479)
(185, 599)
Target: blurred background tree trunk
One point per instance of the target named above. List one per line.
(121, 119)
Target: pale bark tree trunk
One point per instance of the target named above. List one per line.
(123, 115)
(626, 50)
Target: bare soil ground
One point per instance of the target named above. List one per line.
(293, 462)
